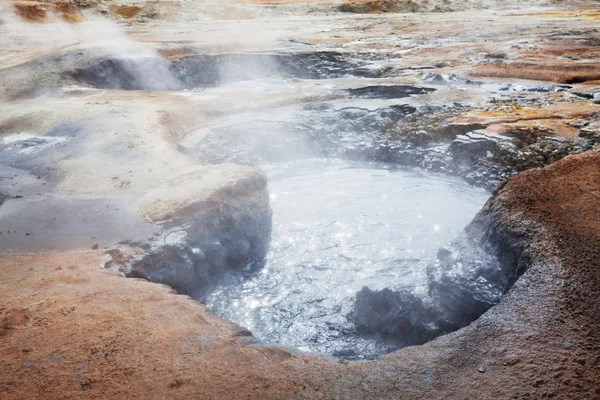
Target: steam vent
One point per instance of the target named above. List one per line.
(299, 199)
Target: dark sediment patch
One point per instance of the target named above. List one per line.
(40, 155)
(135, 73)
(196, 71)
(387, 91)
(211, 70)
(64, 223)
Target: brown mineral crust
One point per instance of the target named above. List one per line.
(126, 11)
(32, 11)
(70, 331)
(513, 113)
(40, 11)
(530, 130)
(563, 199)
(541, 71)
(69, 11)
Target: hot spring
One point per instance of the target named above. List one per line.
(339, 226)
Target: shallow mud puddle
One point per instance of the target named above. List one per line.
(339, 226)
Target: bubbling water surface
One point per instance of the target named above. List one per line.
(339, 226)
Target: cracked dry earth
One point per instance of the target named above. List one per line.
(501, 92)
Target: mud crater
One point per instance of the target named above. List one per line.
(285, 295)
(348, 260)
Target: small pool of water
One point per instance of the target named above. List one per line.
(339, 226)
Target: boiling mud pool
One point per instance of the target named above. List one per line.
(339, 226)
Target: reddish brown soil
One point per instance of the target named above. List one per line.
(542, 71)
(31, 11)
(36, 11)
(70, 330)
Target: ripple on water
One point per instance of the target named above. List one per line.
(339, 226)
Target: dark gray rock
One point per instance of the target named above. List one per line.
(397, 316)
(194, 259)
(469, 277)
(387, 91)
(473, 146)
(128, 73)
